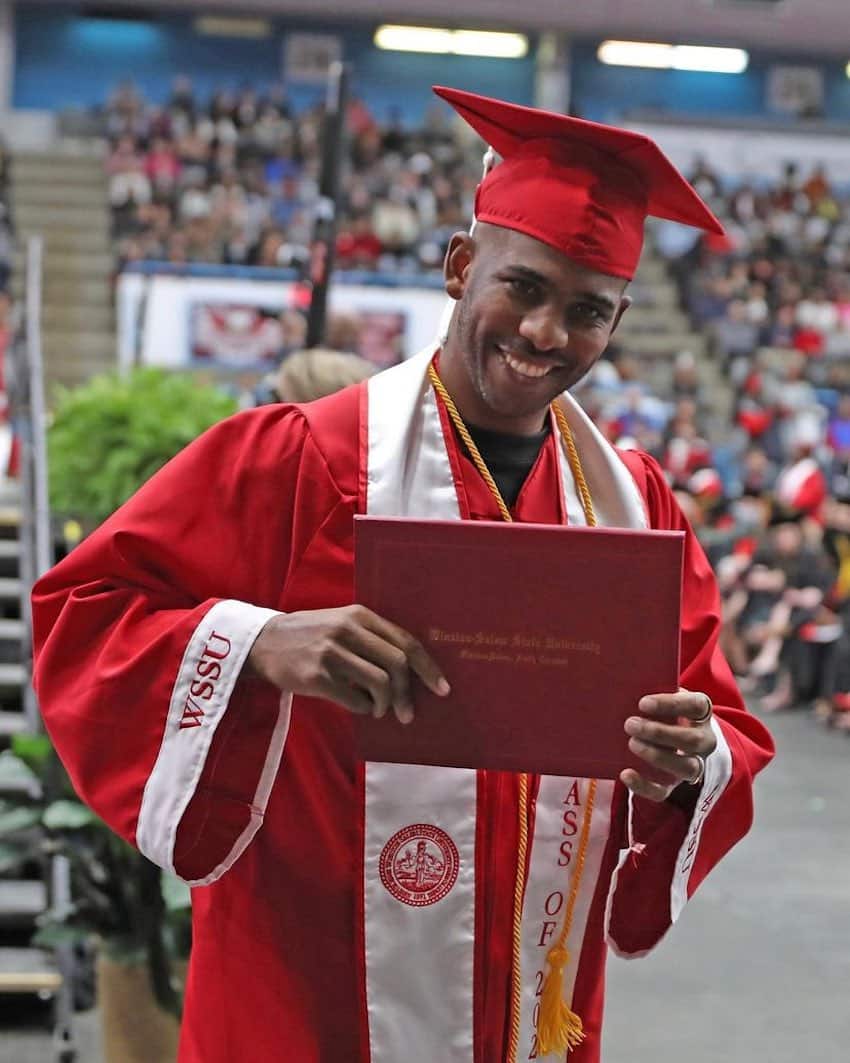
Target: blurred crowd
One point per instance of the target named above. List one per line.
(768, 486)
(236, 179)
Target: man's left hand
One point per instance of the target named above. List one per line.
(673, 733)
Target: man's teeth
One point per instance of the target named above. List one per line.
(525, 368)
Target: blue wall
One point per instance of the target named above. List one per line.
(65, 60)
(608, 93)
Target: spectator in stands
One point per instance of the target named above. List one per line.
(162, 167)
(357, 246)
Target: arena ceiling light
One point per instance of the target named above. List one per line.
(673, 56)
(439, 41)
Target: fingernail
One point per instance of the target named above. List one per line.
(633, 725)
(647, 704)
(443, 687)
(405, 715)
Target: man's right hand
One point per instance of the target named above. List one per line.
(348, 655)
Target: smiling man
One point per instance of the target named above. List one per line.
(199, 661)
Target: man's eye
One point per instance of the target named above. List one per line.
(587, 312)
(524, 289)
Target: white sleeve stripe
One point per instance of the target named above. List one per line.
(718, 772)
(202, 690)
(261, 798)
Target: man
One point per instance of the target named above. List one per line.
(199, 665)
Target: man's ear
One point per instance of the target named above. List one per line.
(456, 266)
(625, 303)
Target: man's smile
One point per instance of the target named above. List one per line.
(531, 367)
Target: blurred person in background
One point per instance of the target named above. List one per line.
(317, 372)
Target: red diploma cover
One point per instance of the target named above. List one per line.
(548, 635)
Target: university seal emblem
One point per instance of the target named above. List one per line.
(419, 865)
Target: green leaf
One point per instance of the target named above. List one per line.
(14, 820)
(52, 934)
(15, 774)
(67, 815)
(34, 750)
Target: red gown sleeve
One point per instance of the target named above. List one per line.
(674, 845)
(140, 635)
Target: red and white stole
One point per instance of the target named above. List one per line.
(419, 889)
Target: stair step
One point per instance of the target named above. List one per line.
(41, 217)
(651, 270)
(661, 345)
(21, 901)
(65, 238)
(654, 318)
(59, 194)
(654, 295)
(78, 261)
(12, 723)
(81, 289)
(12, 630)
(13, 676)
(10, 589)
(69, 262)
(28, 971)
(75, 348)
(59, 161)
(98, 298)
(72, 316)
(10, 549)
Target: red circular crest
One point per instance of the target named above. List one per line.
(419, 865)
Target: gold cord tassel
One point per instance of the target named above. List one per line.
(558, 1027)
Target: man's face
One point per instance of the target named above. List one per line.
(529, 324)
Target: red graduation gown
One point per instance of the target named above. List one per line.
(259, 510)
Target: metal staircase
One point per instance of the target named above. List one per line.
(39, 883)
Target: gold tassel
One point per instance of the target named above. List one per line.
(558, 1026)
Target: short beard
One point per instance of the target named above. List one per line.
(464, 340)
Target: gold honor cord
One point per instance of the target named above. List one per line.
(558, 1027)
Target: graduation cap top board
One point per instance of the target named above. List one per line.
(581, 187)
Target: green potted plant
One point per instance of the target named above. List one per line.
(112, 433)
(138, 916)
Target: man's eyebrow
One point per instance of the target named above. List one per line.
(531, 275)
(600, 301)
(603, 303)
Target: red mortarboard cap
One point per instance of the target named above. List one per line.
(581, 187)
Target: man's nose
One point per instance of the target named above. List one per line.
(544, 328)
